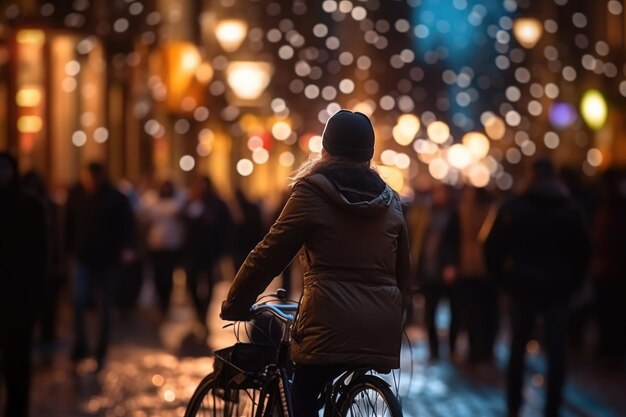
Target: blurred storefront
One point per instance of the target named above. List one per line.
(239, 90)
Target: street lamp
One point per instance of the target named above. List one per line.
(527, 31)
(593, 109)
(248, 79)
(230, 33)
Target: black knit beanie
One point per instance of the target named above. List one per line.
(350, 135)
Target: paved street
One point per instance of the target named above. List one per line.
(153, 369)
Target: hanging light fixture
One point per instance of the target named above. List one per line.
(527, 31)
(248, 79)
(230, 33)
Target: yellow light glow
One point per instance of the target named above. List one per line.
(477, 144)
(410, 121)
(459, 156)
(402, 135)
(593, 109)
(438, 132)
(405, 130)
(315, 144)
(594, 157)
(181, 59)
(527, 31)
(364, 107)
(286, 159)
(281, 130)
(204, 73)
(392, 176)
(248, 79)
(438, 168)
(190, 59)
(29, 124)
(31, 36)
(245, 167)
(479, 175)
(231, 33)
(28, 97)
(495, 127)
(260, 156)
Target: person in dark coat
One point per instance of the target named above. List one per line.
(54, 276)
(476, 294)
(22, 267)
(101, 236)
(355, 259)
(436, 274)
(248, 227)
(538, 251)
(608, 268)
(208, 235)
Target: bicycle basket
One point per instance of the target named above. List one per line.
(241, 366)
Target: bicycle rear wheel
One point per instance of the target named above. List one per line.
(368, 396)
(210, 401)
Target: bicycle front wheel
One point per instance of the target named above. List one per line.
(369, 396)
(210, 401)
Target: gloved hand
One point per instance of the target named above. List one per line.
(231, 311)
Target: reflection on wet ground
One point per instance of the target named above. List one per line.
(154, 366)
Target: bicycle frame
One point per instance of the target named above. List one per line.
(277, 374)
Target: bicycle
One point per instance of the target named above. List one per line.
(253, 380)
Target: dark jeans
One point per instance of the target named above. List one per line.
(611, 314)
(164, 262)
(523, 318)
(98, 283)
(16, 330)
(434, 293)
(308, 382)
(200, 283)
(479, 300)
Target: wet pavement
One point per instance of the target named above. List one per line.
(155, 364)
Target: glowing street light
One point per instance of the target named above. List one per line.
(477, 144)
(248, 79)
(593, 109)
(230, 33)
(28, 97)
(438, 132)
(527, 31)
(459, 156)
(405, 130)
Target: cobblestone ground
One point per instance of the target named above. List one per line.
(154, 367)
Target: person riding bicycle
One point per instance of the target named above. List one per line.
(355, 259)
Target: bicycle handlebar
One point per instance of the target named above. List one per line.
(278, 310)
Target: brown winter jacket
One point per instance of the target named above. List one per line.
(355, 259)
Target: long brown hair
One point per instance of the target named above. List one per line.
(316, 164)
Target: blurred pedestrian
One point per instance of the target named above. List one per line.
(477, 296)
(208, 234)
(54, 275)
(608, 267)
(130, 277)
(435, 271)
(538, 251)
(248, 227)
(166, 233)
(22, 267)
(101, 237)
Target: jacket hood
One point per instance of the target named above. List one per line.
(547, 193)
(359, 201)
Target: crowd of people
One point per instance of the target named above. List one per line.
(555, 250)
(551, 253)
